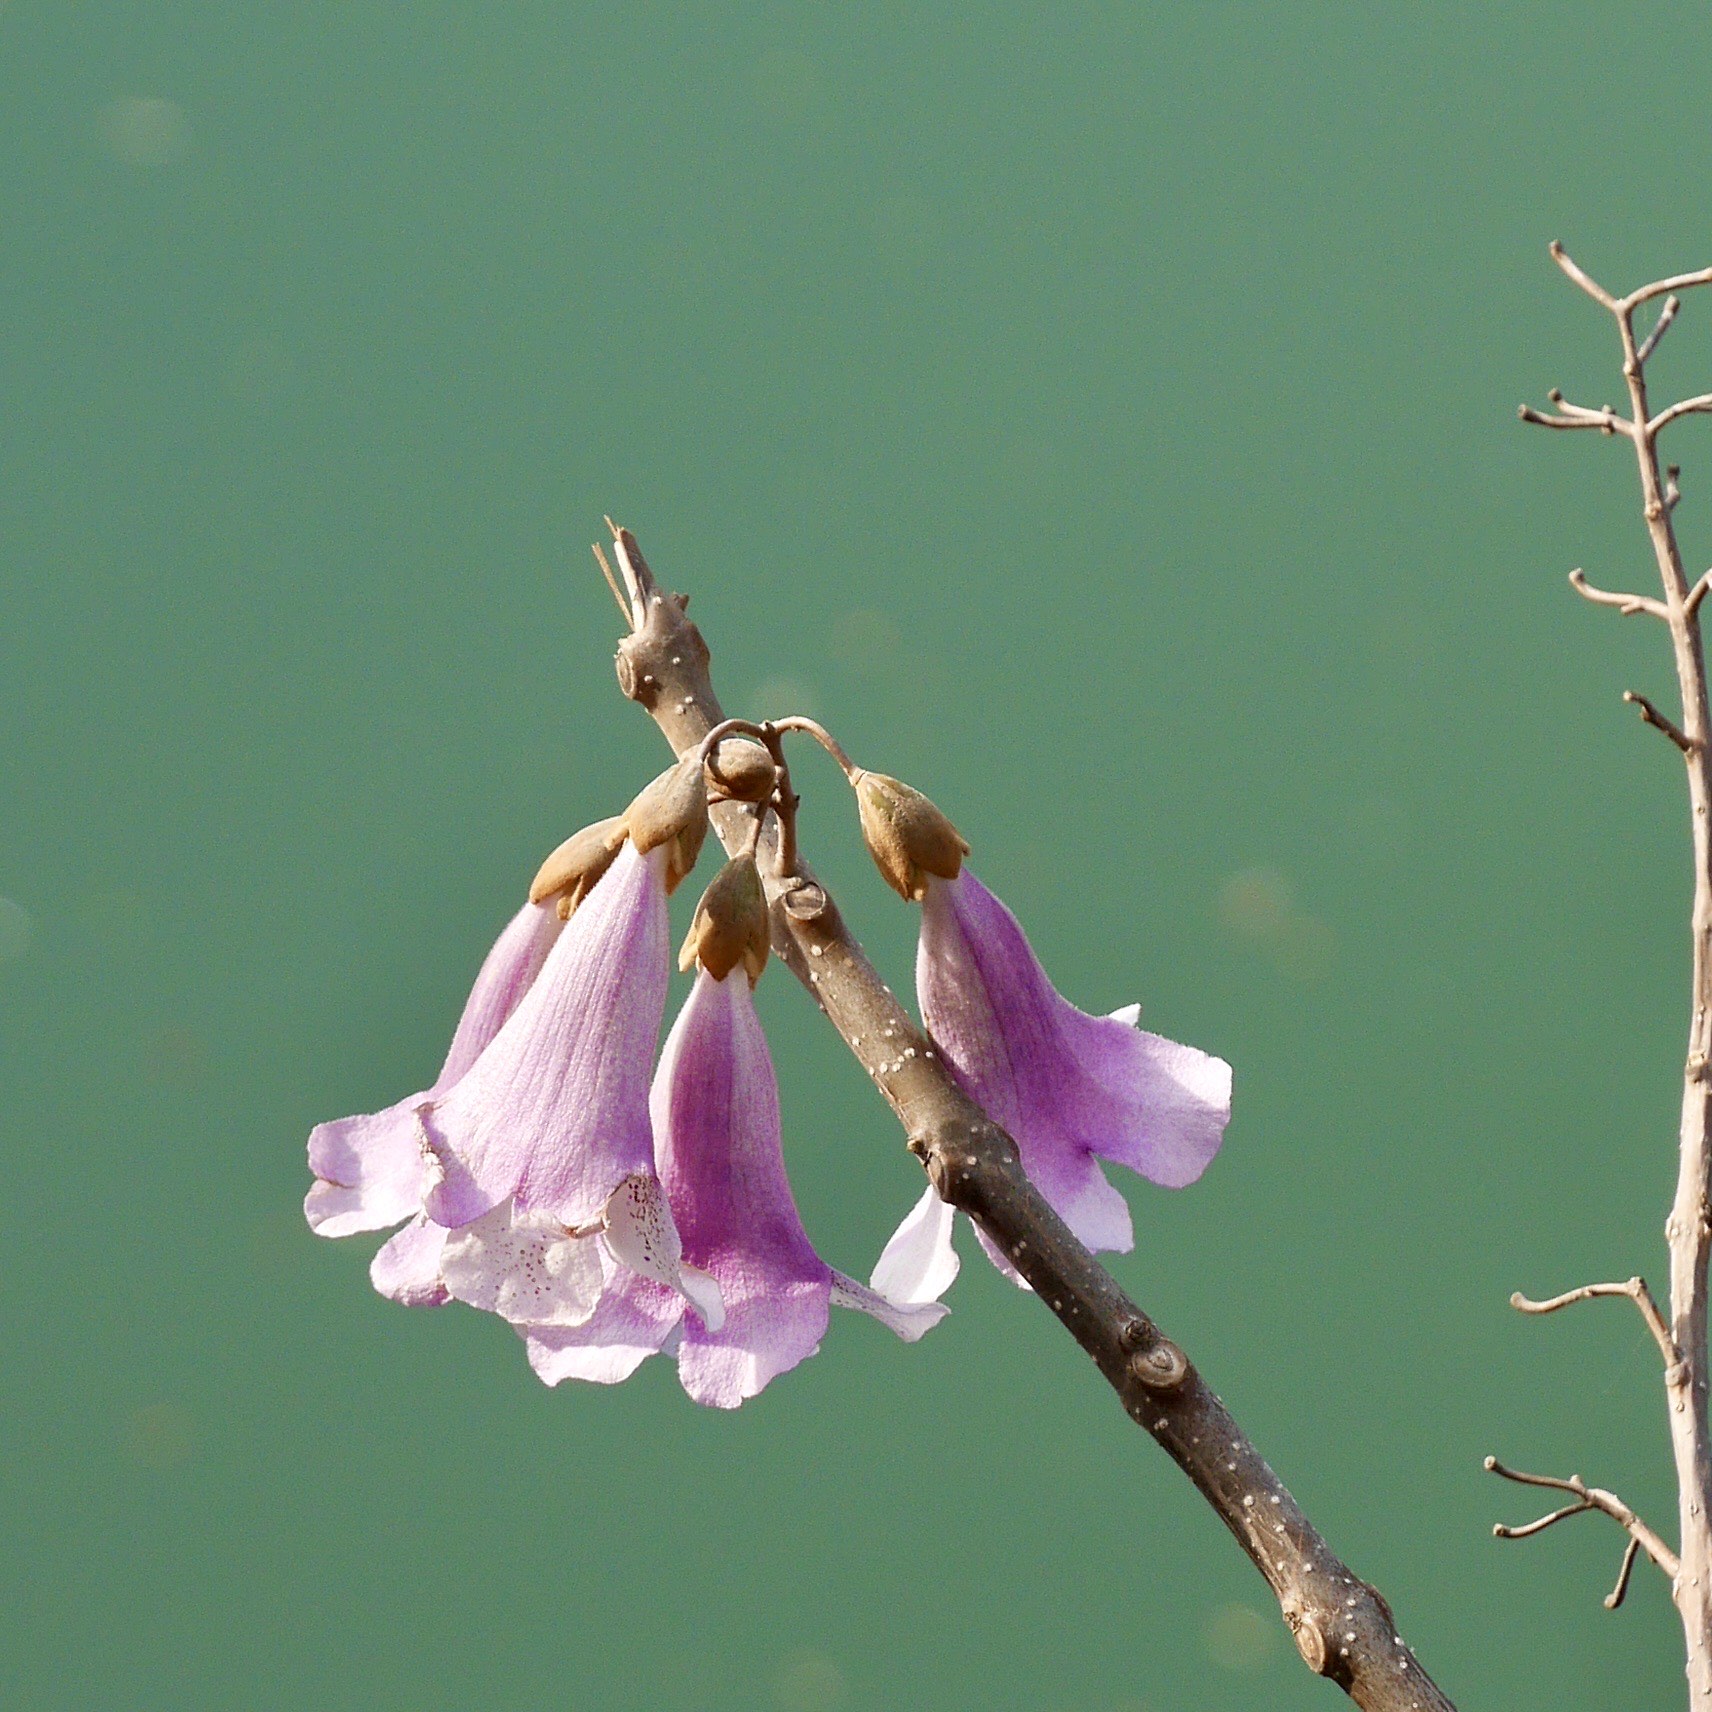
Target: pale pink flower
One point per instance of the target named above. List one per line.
(1070, 1088)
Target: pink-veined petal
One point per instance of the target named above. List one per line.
(642, 1235)
(555, 1111)
(716, 1125)
(636, 1319)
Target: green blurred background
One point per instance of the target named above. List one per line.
(1102, 416)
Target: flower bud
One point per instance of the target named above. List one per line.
(742, 771)
(906, 835)
(730, 925)
(672, 810)
(572, 870)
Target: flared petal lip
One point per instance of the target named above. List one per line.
(1069, 1087)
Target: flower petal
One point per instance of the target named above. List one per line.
(716, 1125)
(507, 973)
(555, 1111)
(368, 1171)
(635, 1319)
(1172, 1102)
(370, 1167)
(919, 1264)
(908, 1319)
(1068, 1087)
(640, 1234)
(525, 1267)
(406, 1267)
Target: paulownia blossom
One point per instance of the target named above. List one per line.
(1071, 1089)
(715, 1106)
(369, 1170)
(545, 1156)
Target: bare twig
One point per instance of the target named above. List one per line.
(1587, 1498)
(1597, 292)
(1659, 287)
(1660, 328)
(1606, 420)
(1501, 1532)
(1634, 1288)
(1627, 604)
(1615, 1597)
(1697, 406)
(1691, 604)
(1342, 1627)
(611, 582)
(1689, 1226)
(1653, 717)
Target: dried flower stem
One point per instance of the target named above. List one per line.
(1689, 1227)
(1342, 1627)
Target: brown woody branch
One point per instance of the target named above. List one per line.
(1342, 1627)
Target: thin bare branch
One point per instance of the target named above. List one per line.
(1688, 1230)
(1691, 603)
(1615, 1597)
(1634, 1288)
(1589, 1498)
(1660, 328)
(1607, 421)
(1627, 604)
(1654, 718)
(1697, 406)
(1501, 1532)
(1593, 289)
(1659, 287)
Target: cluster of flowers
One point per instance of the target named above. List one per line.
(608, 1215)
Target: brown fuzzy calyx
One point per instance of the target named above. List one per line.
(908, 837)
(571, 871)
(671, 810)
(730, 925)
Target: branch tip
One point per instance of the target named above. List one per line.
(1627, 604)
(1658, 720)
(612, 582)
(1615, 1597)
(1580, 276)
(1660, 328)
